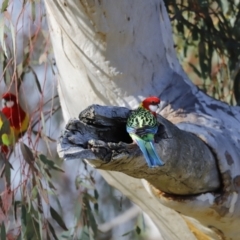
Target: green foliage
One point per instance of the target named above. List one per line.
(58, 218)
(35, 190)
(37, 172)
(4, 5)
(85, 222)
(30, 222)
(207, 36)
(32, 216)
(3, 232)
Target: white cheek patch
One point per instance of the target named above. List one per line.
(9, 104)
(153, 108)
(3, 103)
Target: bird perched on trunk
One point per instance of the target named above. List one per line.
(18, 121)
(142, 125)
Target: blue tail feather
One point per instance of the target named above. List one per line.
(141, 145)
(149, 153)
(155, 159)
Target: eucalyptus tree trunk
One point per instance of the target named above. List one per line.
(116, 53)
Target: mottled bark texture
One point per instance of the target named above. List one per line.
(100, 137)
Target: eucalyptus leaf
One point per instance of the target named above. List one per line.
(4, 5)
(51, 229)
(58, 218)
(3, 232)
(138, 230)
(50, 163)
(36, 80)
(27, 153)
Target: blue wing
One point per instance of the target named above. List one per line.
(146, 146)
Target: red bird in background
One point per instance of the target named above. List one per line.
(17, 124)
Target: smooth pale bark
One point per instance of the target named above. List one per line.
(117, 52)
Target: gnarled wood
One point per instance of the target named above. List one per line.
(100, 137)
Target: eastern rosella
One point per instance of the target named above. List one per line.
(18, 121)
(142, 125)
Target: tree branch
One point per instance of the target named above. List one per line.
(99, 136)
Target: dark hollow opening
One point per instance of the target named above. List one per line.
(116, 133)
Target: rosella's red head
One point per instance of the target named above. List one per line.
(12, 110)
(9, 100)
(151, 104)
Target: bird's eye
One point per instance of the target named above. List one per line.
(152, 102)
